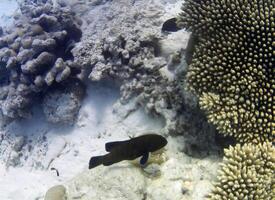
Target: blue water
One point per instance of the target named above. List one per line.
(7, 8)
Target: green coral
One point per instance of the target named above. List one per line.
(247, 172)
(233, 66)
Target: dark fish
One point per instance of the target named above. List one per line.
(170, 25)
(129, 150)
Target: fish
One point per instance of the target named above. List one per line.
(170, 25)
(130, 149)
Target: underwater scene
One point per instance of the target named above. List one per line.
(137, 99)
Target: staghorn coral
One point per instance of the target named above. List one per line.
(247, 172)
(233, 66)
(35, 55)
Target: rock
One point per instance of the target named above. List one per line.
(39, 40)
(43, 45)
(110, 179)
(18, 143)
(36, 30)
(61, 76)
(24, 55)
(13, 101)
(15, 46)
(100, 71)
(45, 21)
(26, 43)
(62, 105)
(4, 92)
(59, 65)
(5, 54)
(39, 64)
(60, 36)
(14, 159)
(39, 81)
(56, 193)
(12, 62)
(4, 121)
(4, 78)
(129, 54)
(153, 170)
(3, 43)
(138, 57)
(49, 78)
(174, 179)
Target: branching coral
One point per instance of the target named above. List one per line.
(35, 55)
(247, 172)
(233, 66)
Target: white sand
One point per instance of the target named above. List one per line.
(68, 149)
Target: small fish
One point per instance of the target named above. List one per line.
(129, 150)
(170, 25)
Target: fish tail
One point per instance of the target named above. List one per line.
(95, 161)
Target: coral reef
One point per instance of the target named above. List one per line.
(137, 57)
(129, 54)
(109, 30)
(247, 172)
(232, 69)
(35, 54)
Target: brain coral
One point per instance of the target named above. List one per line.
(247, 172)
(35, 55)
(233, 66)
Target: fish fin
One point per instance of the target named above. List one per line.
(110, 145)
(108, 163)
(111, 160)
(144, 158)
(95, 161)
